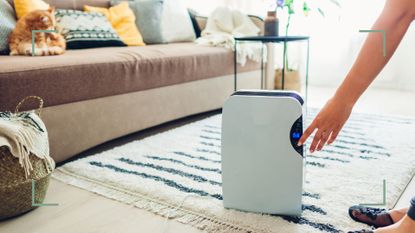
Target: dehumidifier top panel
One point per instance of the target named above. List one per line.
(268, 93)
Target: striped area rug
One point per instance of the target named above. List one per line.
(159, 172)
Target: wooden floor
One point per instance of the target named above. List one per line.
(80, 211)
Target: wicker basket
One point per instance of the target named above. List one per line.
(15, 187)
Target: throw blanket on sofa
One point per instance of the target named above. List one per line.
(225, 24)
(24, 134)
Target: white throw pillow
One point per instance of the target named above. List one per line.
(176, 25)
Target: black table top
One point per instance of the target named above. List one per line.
(275, 39)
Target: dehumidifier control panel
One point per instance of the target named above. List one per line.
(295, 135)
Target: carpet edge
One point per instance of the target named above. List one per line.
(185, 216)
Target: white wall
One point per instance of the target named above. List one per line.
(404, 61)
(337, 43)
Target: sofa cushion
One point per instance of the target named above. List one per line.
(7, 24)
(23, 7)
(92, 73)
(122, 19)
(148, 18)
(193, 14)
(176, 25)
(75, 4)
(86, 29)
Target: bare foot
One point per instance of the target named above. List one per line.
(405, 225)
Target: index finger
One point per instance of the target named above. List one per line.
(307, 133)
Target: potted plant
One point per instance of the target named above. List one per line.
(292, 79)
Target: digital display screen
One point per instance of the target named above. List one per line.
(296, 135)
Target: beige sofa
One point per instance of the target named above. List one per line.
(95, 95)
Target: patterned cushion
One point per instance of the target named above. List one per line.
(86, 30)
(7, 23)
(122, 18)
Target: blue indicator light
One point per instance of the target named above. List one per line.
(296, 135)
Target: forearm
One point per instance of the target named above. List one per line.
(394, 20)
(371, 60)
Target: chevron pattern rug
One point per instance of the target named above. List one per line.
(182, 167)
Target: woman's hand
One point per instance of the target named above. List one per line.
(395, 20)
(328, 123)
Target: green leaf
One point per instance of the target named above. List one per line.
(306, 9)
(289, 2)
(291, 9)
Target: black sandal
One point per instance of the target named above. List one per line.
(362, 231)
(375, 217)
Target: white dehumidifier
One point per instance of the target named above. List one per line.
(262, 166)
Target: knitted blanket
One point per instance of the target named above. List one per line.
(24, 134)
(225, 24)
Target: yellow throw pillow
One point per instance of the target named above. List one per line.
(122, 19)
(22, 7)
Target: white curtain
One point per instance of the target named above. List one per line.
(335, 38)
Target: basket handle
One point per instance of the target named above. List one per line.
(38, 111)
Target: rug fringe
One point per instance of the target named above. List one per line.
(205, 223)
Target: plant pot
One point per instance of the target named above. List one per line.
(292, 80)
